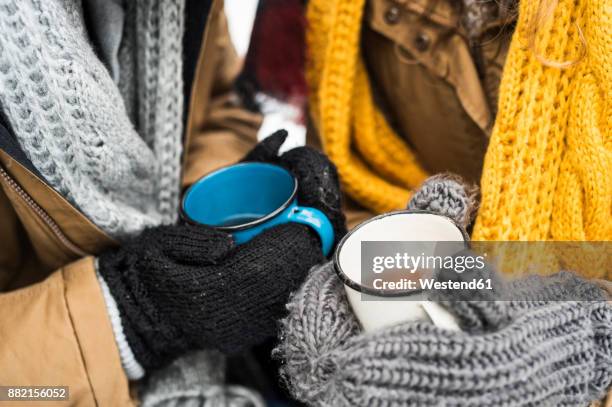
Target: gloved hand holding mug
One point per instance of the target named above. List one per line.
(182, 287)
(549, 344)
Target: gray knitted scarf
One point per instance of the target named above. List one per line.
(190, 382)
(545, 353)
(111, 148)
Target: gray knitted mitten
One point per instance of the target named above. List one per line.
(447, 194)
(547, 353)
(534, 350)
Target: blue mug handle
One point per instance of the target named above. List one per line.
(316, 220)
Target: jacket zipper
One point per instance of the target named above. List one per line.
(40, 212)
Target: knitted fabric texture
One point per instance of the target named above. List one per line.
(104, 20)
(548, 352)
(448, 195)
(545, 174)
(318, 183)
(194, 381)
(182, 288)
(113, 150)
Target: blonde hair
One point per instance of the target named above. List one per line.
(543, 13)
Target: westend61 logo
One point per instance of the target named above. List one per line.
(421, 270)
(407, 270)
(393, 268)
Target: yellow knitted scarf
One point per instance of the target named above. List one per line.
(547, 170)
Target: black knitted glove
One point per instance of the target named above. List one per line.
(188, 287)
(317, 177)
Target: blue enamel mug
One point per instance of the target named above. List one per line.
(246, 199)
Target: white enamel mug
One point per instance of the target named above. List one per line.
(406, 226)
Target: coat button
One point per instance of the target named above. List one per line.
(422, 42)
(392, 15)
